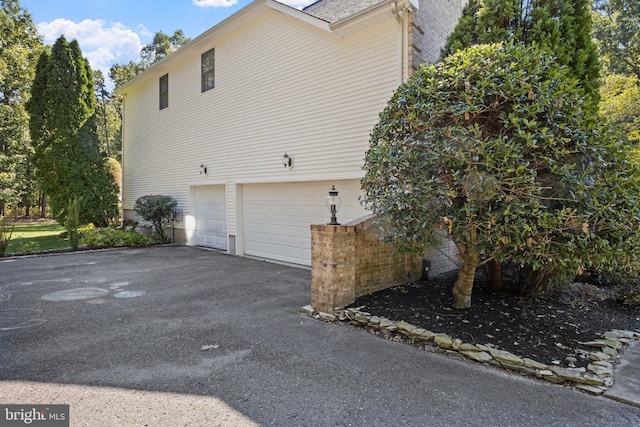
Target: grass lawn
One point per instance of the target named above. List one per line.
(37, 235)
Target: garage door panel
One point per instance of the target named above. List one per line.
(211, 217)
(277, 217)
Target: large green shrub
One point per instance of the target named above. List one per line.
(156, 209)
(498, 145)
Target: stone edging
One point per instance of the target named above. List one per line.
(595, 379)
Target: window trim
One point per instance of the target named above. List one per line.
(163, 89)
(207, 71)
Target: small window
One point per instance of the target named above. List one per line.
(164, 91)
(208, 62)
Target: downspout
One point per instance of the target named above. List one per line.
(402, 16)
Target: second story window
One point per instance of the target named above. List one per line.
(208, 62)
(164, 91)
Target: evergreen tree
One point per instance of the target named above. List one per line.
(19, 49)
(63, 130)
(561, 26)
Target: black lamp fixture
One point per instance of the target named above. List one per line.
(287, 161)
(333, 203)
(204, 170)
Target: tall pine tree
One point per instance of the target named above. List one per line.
(19, 50)
(63, 130)
(561, 26)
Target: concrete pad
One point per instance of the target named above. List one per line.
(626, 383)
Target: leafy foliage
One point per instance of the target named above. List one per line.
(156, 209)
(20, 46)
(108, 119)
(499, 146)
(561, 26)
(72, 224)
(620, 105)
(63, 131)
(110, 237)
(161, 46)
(617, 31)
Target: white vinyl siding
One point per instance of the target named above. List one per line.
(282, 85)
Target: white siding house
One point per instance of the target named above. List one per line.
(309, 84)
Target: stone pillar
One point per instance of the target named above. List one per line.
(333, 263)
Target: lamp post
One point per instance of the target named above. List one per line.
(333, 203)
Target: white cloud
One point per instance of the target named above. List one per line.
(227, 3)
(214, 3)
(297, 3)
(103, 44)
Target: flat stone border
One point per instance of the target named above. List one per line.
(595, 379)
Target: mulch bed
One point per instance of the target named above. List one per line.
(546, 330)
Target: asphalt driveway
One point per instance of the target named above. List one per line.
(183, 336)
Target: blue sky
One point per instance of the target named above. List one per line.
(113, 31)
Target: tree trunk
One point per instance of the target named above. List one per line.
(464, 285)
(43, 206)
(495, 276)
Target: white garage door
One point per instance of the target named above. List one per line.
(277, 217)
(211, 217)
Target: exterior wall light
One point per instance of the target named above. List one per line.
(333, 203)
(287, 161)
(204, 170)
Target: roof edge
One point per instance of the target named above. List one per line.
(299, 14)
(227, 22)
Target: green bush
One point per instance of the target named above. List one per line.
(156, 209)
(109, 237)
(27, 248)
(500, 147)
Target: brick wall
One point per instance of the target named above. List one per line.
(431, 24)
(348, 261)
(378, 266)
(333, 261)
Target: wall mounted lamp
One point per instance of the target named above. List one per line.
(204, 169)
(333, 203)
(287, 161)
